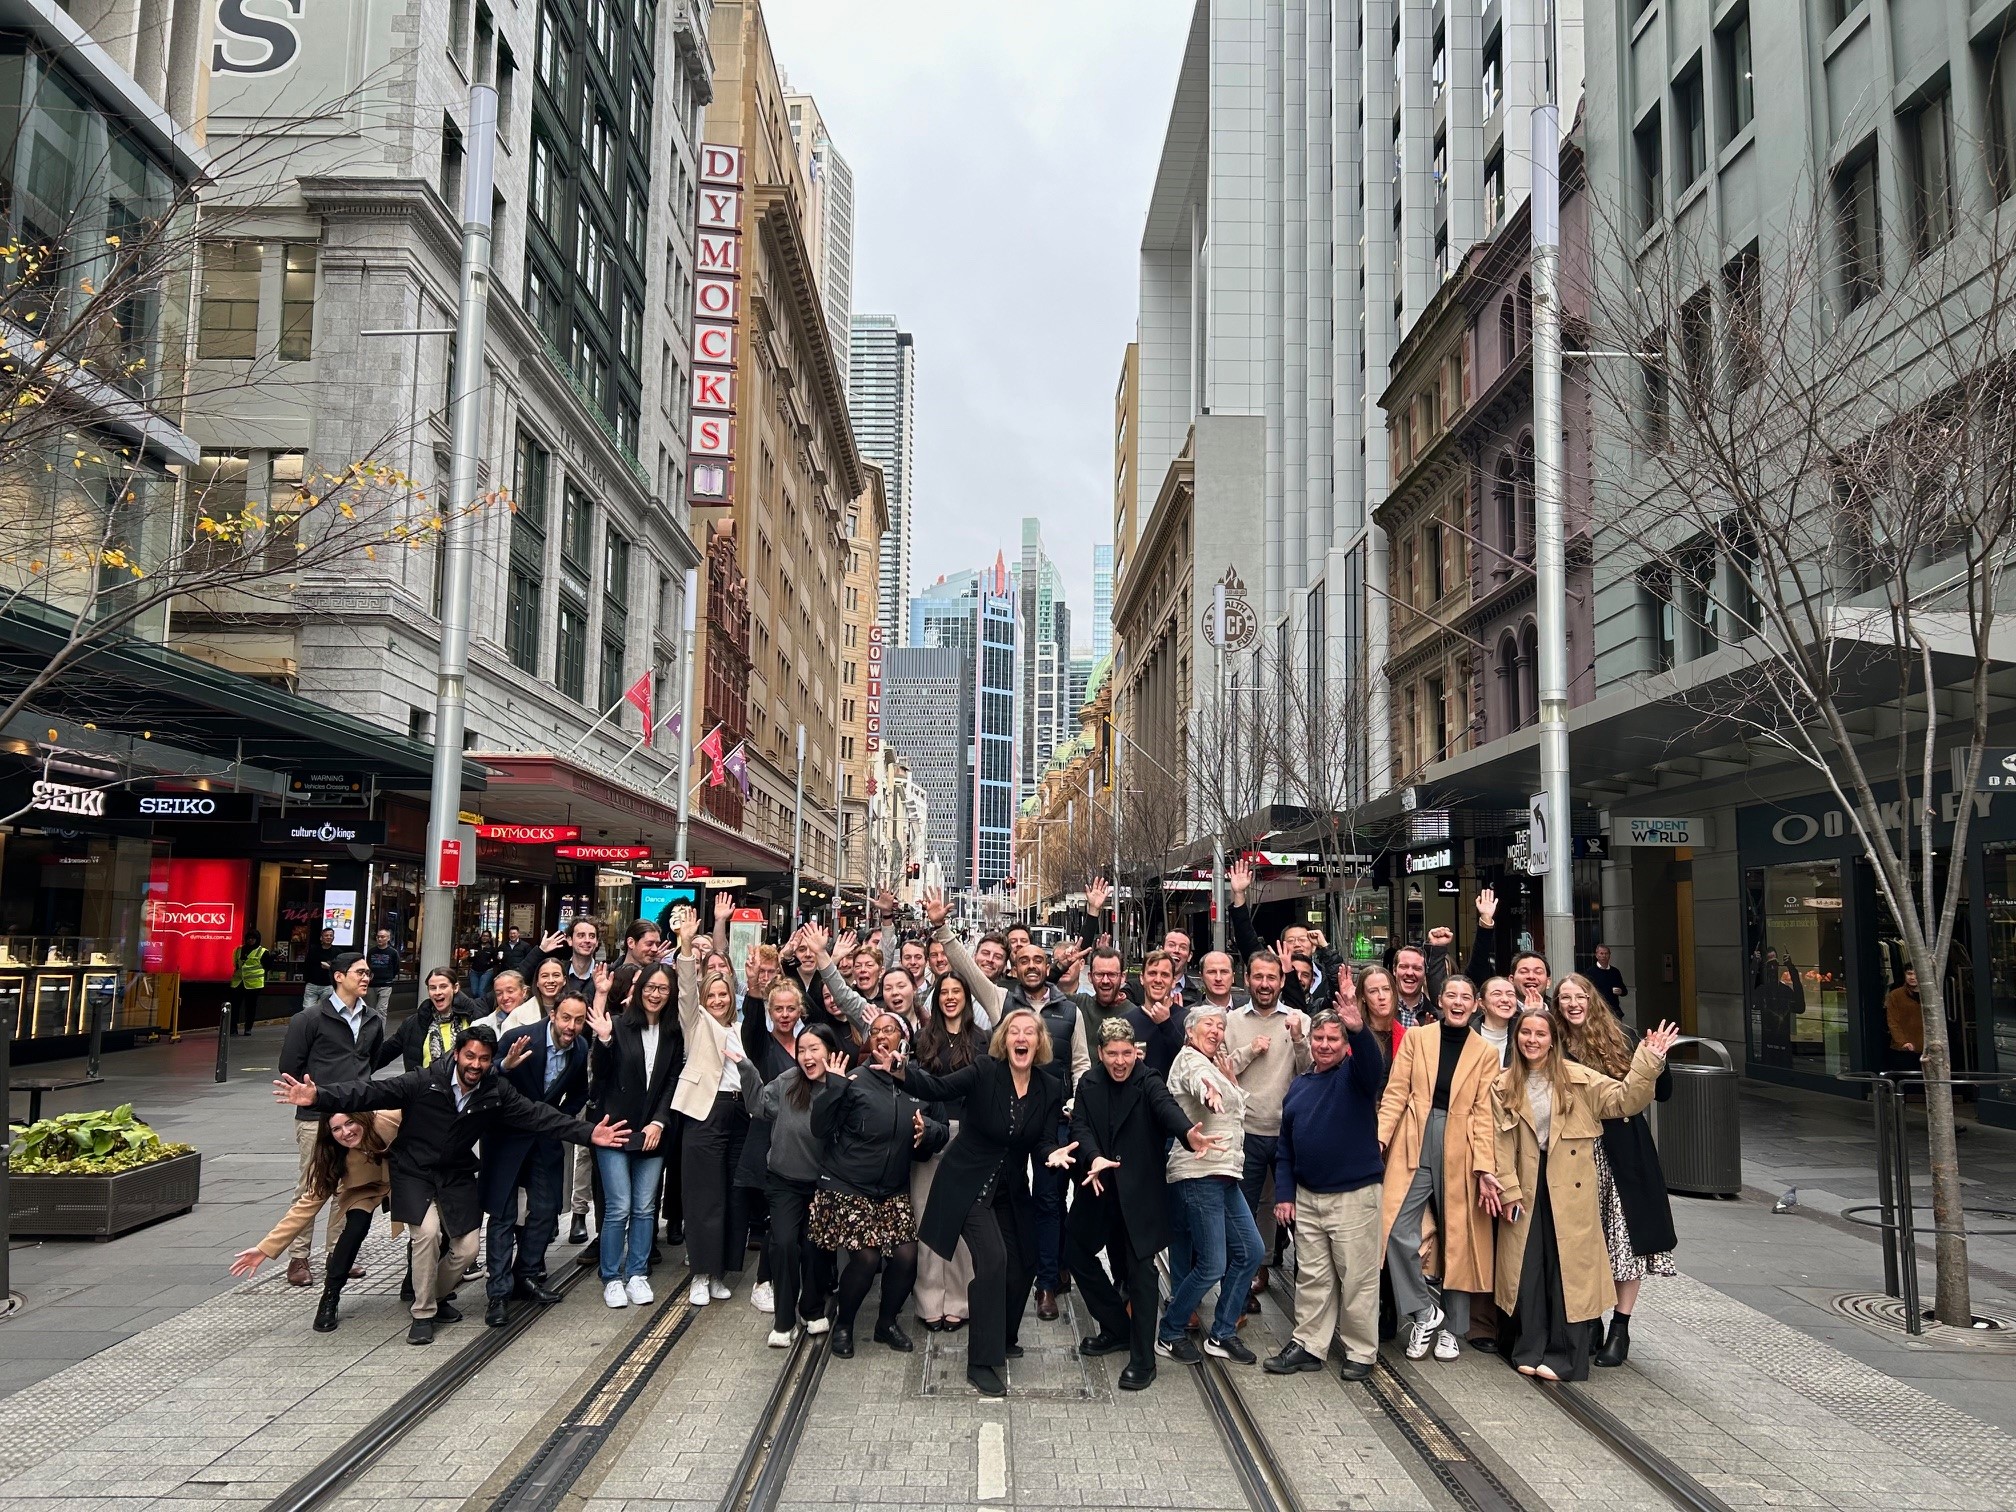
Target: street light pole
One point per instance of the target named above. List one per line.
(437, 903)
(797, 826)
(1550, 556)
(1217, 828)
(686, 711)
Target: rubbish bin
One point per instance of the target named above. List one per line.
(1699, 1135)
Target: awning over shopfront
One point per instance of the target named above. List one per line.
(538, 787)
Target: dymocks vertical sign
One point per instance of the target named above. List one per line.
(717, 322)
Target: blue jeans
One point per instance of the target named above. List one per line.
(629, 1210)
(1215, 1241)
(1046, 1191)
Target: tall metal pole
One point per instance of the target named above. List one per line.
(686, 711)
(437, 903)
(839, 832)
(797, 826)
(1217, 760)
(1550, 559)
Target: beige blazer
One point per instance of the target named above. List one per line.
(700, 1077)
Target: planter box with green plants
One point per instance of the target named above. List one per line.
(96, 1176)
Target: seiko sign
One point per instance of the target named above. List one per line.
(64, 798)
(198, 808)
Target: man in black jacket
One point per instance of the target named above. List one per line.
(1122, 1120)
(1070, 1056)
(336, 1038)
(518, 953)
(552, 1069)
(447, 1108)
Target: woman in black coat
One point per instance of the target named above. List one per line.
(1121, 1123)
(1630, 1184)
(634, 1064)
(871, 1131)
(981, 1193)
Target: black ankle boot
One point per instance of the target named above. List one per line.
(325, 1312)
(1617, 1348)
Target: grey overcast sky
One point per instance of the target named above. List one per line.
(1003, 152)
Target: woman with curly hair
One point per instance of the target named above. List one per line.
(948, 1041)
(1630, 1184)
(348, 1164)
(872, 1131)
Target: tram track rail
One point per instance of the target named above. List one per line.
(765, 1466)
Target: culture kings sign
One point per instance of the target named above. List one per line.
(717, 324)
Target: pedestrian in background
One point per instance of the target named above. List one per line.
(1553, 1264)
(1630, 1184)
(384, 959)
(248, 980)
(1609, 981)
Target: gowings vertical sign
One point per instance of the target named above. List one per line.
(717, 320)
(874, 711)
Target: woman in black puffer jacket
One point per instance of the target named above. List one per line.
(872, 1131)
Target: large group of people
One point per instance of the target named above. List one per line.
(969, 1127)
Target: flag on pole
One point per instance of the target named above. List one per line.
(638, 695)
(675, 722)
(736, 762)
(711, 749)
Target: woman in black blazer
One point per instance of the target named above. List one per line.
(981, 1192)
(634, 1065)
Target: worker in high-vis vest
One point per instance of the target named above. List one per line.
(248, 980)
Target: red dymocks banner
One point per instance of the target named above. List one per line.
(193, 917)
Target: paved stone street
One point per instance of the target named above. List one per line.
(140, 1376)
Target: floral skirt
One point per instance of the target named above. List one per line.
(1625, 1264)
(848, 1221)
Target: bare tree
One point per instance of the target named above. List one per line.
(1822, 486)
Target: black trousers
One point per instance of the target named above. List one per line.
(356, 1224)
(801, 1273)
(515, 1254)
(1096, 1224)
(244, 1009)
(672, 1194)
(1539, 1328)
(1004, 1267)
(717, 1227)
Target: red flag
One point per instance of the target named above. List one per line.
(711, 749)
(639, 695)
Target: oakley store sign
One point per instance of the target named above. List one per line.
(1820, 826)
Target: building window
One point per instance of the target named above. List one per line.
(1697, 586)
(545, 184)
(1651, 160)
(1652, 385)
(552, 54)
(2002, 121)
(570, 671)
(1494, 192)
(613, 653)
(451, 164)
(521, 621)
(1743, 316)
(1697, 351)
(228, 323)
(577, 530)
(1655, 586)
(1432, 553)
(1493, 75)
(1858, 229)
(297, 304)
(1508, 684)
(1733, 82)
(1928, 151)
(1690, 130)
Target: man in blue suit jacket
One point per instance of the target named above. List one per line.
(551, 1068)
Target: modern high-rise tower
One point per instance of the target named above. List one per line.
(829, 221)
(1046, 718)
(1102, 601)
(882, 394)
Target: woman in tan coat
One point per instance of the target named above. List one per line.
(1553, 1263)
(348, 1165)
(710, 1096)
(1435, 1131)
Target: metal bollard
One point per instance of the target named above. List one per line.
(224, 1041)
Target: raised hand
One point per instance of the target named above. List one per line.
(815, 937)
(1442, 935)
(599, 1023)
(1660, 1040)
(886, 1060)
(1097, 891)
(1159, 1012)
(601, 976)
(885, 902)
(1345, 1000)
(300, 1094)
(519, 1053)
(1100, 1166)
(247, 1262)
(552, 942)
(917, 1127)
(610, 1136)
(1487, 907)
(845, 946)
(686, 926)
(935, 907)
(1261, 1044)
(1298, 1025)
(1240, 876)
(1060, 1158)
(724, 906)
(836, 1064)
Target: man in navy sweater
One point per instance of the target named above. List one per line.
(1328, 1160)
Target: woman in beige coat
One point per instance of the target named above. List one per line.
(348, 1165)
(710, 1095)
(1436, 1133)
(1553, 1264)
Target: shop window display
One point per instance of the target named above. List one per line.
(1797, 984)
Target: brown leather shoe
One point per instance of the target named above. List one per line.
(356, 1272)
(1046, 1306)
(297, 1272)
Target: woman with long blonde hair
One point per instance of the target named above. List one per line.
(1553, 1266)
(717, 1087)
(1630, 1183)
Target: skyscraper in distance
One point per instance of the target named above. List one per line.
(829, 221)
(1102, 602)
(882, 397)
(1045, 679)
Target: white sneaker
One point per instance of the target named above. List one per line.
(720, 1289)
(614, 1294)
(697, 1294)
(1421, 1334)
(640, 1291)
(763, 1299)
(1446, 1346)
(780, 1338)
(817, 1326)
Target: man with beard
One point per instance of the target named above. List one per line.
(553, 1070)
